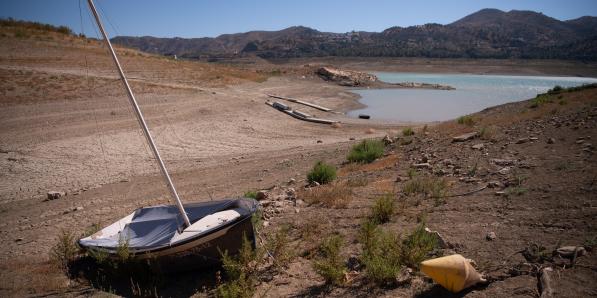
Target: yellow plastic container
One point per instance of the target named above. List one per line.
(454, 272)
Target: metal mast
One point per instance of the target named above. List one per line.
(146, 132)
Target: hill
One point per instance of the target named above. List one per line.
(488, 33)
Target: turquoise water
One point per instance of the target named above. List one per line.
(473, 93)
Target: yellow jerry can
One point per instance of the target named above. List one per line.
(454, 272)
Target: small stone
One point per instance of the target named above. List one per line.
(319, 141)
(387, 140)
(465, 137)
(297, 210)
(504, 171)
(502, 162)
(314, 184)
(299, 203)
(478, 146)
(351, 138)
(500, 193)
(265, 224)
(18, 239)
(495, 184)
(424, 165)
(551, 141)
(522, 140)
(54, 195)
(291, 193)
(399, 179)
(78, 208)
(532, 139)
(292, 181)
(490, 236)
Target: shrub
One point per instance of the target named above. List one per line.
(322, 173)
(251, 194)
(539, 100)
(65, 249)
(466, 120)
(381, 254)
(416, 246)
(366, 151)
(432, 187)
(383, 209)
(555, 90)
(408, 132)
(278, 245)
(329, 264)
(330, 195)
(239, 271)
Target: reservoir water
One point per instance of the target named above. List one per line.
(473, 93)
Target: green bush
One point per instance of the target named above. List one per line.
(239, 271)
(366, 151)
(408, 132)
(383, 209)
(251, 194)
(381, 254)
(322, 173)
(330, 264)
(466, 120)
(65, 249)
(416, 246)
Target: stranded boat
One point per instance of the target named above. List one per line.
(180, 237)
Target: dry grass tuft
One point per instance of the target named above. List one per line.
(335, 195)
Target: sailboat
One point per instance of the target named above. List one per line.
(180, 236)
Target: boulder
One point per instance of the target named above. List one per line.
(465, 137)
(346, 77)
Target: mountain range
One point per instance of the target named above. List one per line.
(488, 33)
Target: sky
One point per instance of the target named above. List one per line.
(210, 18)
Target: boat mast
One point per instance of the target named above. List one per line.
(146, 132)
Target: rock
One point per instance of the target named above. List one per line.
(319, 141)
(478, 146)
(571, 251)
(78, 208)
(399, 179)
(532, 139)
(265, 223)
(465, 137)
(495, 184)
(346, 77)
(314, 184)
(404, 276)
(291, 193)
(490, 236)
(387, 140)
(261, 195)
(441, 242)
(54, 195)
(500, 193)
(18, 239)
(551, 141)
(522, 140)
(505, 171)
(351, 139)
(299, 203)
(292, 181)
(502, 162)
(424, 165)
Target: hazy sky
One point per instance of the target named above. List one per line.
(186, 18)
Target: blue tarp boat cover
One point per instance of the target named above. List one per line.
(153, 227)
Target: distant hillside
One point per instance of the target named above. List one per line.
(488, 33)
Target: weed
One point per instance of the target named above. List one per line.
(383, 209)
(416, 246)
(257, 219)
(555, 90)
(65, 250)
(381, 254)
(251, 194)
(590, 243)
(425, 128)
(322, 173)
(366, 151)
(278, 245)
(331, 195)
(562, 102)
(487, 133)
(411, 173)
(517, 191)
(329, 264)
(466, 120)
(408, 132)
(406, 141)
(540, 99)
(433, 187)
(357, 181)
(122, 250)
(239, 271)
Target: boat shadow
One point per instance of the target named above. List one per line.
(142, 278)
